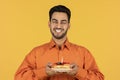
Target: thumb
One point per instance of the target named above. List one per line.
(49, 64)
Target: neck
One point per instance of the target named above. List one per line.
(59, 42)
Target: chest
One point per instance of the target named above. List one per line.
(53, 56)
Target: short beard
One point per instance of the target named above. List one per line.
(59, 37)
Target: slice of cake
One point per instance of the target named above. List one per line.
(61, 67)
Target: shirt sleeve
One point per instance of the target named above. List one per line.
(28, 69)
(89, 71)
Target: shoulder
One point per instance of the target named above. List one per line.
(78, 47)
(41, 47)
(82, 50)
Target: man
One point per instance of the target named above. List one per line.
(39, 62)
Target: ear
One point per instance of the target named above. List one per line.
(69, 26)
(48, 23)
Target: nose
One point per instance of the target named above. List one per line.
(58, 25)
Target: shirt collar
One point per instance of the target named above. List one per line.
(66, 44)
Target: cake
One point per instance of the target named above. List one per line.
(61, 67)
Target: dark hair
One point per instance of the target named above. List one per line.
(60, 8)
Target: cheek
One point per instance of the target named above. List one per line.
(51, 27)
(66, 27)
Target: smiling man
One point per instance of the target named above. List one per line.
(59, 59)
(59, 25)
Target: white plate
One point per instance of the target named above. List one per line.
(61, 70)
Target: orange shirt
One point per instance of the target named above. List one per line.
(33, 66)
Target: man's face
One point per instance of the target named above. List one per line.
(59, 25)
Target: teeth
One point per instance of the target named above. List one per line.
(58, 30)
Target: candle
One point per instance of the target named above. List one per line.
(62, 60)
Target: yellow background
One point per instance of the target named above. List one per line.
(95, 24)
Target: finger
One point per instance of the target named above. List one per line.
(49, 65)
(72, 65)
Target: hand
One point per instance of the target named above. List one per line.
(49, 71)
(74, 69)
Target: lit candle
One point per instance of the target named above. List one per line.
(62, 60)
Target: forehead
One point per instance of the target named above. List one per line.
(59, 16)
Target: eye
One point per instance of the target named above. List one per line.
(54, 21)
(63, 22)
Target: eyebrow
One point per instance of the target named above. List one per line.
(64, 20)
(54, 19)
(57, 20)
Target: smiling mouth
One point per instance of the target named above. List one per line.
(58, 30)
